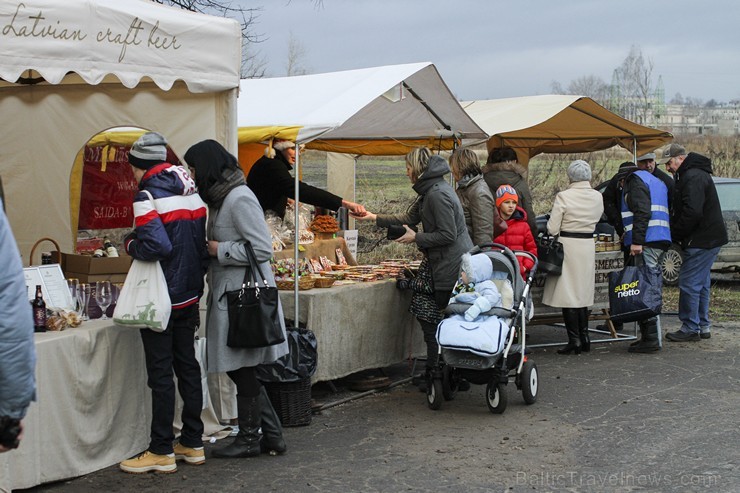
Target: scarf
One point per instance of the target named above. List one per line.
(217, 192)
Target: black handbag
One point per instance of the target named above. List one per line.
(254, 319)
(635, 292)
(550, 255)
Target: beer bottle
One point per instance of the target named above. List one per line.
(39, 311)
(110, 250)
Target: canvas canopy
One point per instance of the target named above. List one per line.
(372, 111)
(75, 68)
(558, 124)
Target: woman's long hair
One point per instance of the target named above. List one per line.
(210, 160)
(418, 160)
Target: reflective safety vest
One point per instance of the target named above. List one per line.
(658, 227)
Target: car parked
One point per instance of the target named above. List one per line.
(727, 263)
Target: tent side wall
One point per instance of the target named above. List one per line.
(50, 124)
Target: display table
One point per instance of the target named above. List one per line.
(606, 262)
(358, 326)
(92, 409)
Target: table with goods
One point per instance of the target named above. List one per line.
(360, 319)
(609, 258)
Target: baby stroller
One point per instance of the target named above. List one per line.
(493, 363)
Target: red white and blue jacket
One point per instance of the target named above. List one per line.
(172, 230)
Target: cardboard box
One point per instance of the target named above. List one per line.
(91, 278)
(86, 264)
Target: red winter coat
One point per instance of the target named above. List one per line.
(518, 236)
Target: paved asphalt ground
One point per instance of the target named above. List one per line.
(607, 421)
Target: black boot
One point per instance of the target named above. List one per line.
(272, 428)
(583, 329)
(570, 317)
(650, 338)
(247, 441)
(638, 341)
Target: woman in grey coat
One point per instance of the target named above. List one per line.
(235, 218)
(443, 240)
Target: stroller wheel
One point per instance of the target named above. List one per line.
(530, 379)
(434, 394)
(449, 383)
(496, 396)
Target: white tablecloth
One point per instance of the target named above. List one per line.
(93, 406)
(358, 326)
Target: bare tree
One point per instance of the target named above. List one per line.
(590, 86)
(635, 76)
(296, 55)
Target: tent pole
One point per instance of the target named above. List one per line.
(634, 150)
(296, 233)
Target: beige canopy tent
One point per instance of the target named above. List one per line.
(72, 69)
(558, 124)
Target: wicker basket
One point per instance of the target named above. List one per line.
(303, 283)
(324, 282)
(292, 401)
(56, 255)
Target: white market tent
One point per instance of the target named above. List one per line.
(73, 69)
(559, 124)
(378, 111)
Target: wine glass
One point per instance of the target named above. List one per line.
(115, 293)
(73, 285)
(83, 296)
(103, 296)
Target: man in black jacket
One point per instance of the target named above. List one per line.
(697, 225)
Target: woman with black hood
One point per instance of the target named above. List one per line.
(235, 218)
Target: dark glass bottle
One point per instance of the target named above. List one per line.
(39, 311)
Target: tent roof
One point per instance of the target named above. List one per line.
(132, 40)
(355, 111)
(558, 123)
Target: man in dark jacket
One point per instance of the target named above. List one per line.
(272, 184)
(696, 225)
(170, 227)
(645, 216)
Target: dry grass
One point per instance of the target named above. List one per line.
(723, 303)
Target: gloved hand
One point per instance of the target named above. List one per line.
(479, 306)
(403, 283)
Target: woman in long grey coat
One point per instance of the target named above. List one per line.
(235, 218)
(574, 216)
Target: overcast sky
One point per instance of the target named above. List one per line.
(489, 49)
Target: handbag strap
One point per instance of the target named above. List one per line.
(635, 260)
(250, 274)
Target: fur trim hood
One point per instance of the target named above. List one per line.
(506, 166)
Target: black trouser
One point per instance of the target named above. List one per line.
(174, 348)
(246, 382)
(430, 337)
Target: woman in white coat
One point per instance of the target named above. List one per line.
(574, 216)
(234, 218)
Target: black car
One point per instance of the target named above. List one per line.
(728, 260)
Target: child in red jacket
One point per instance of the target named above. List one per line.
(518, 235)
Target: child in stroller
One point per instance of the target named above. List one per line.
(476, 339)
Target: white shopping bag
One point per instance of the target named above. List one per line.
(144, 302)
(200, 355)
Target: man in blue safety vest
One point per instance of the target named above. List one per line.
(647, 232)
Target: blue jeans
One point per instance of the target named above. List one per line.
(652, 257)
(693, 284)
